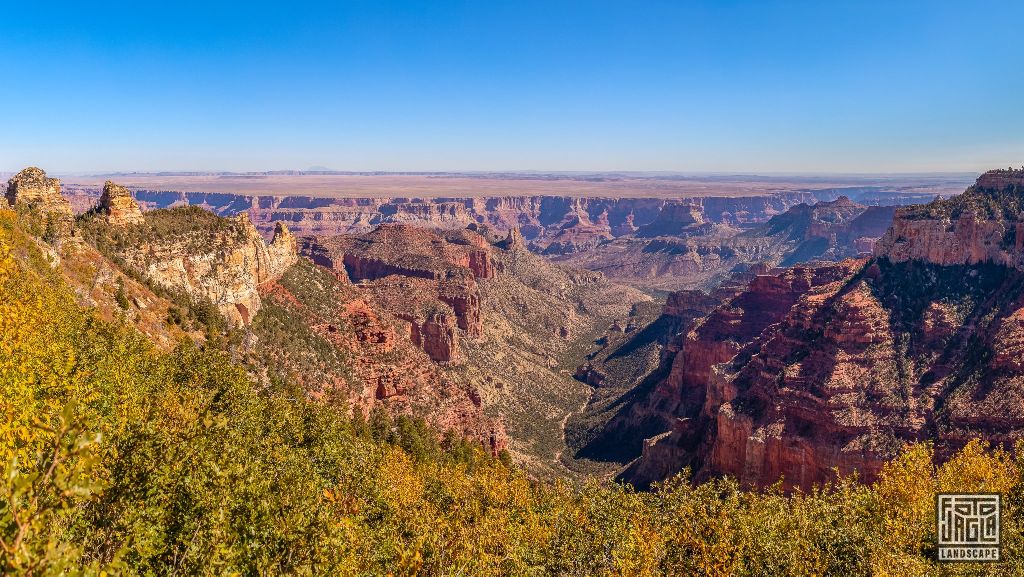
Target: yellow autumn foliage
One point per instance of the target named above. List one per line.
(120, 459)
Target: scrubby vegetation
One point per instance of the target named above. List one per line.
(1004, 204)
(286, 346)
(121, 459)
(186, 311)
(184, 222)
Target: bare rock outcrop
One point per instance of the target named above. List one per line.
(1002, 179)
(689, 303)
(514, 240)
(437, 336)
(985, 224)
(282, 252)
(119, 206)
(539, 217)
(674, 218)
(682, 251)
(209, 257)
(326, 335)
(426, 278)
(831, 230)
(31, 189)
(577, 233)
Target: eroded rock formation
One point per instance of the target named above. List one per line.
(675, 218)
(538, 217)
(500, 316)
(983, 225)
(31, 189)
(816, 369)
(119, 206)
(426, 278)
(282, 252)
(680, 250)
(208, 257)
(331, 337)
(831, 230)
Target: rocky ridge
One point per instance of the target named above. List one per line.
(815, 369)
(223, 261)
(297, 323)
(334, 340)
(425, 278)
(539, 218)
(684, 252)
(983, 225)
(651, 243)
(830, 230)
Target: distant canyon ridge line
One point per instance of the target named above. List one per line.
(764, 374)
(541, 205)
(660, 232)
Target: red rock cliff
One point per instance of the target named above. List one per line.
(426, 278)
(835, 368)
(983, 225)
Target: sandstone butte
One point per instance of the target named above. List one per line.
(117, 204)
(816, 368)
(31, 189)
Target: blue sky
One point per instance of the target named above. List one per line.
(494, 85)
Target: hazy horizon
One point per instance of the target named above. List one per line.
(512, 172)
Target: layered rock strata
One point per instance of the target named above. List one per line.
(224, 262)
(428, 279)
(983, 225)
(119, 206)
(329, 336)
(819, 369)
(32, 190)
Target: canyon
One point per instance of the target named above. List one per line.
(661, 234)
(501, 319)
(173, 273)
(777, 335)
(814, 370)
(682, 251)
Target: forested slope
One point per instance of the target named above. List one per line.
(121, 458)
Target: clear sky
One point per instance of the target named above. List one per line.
(820, 86)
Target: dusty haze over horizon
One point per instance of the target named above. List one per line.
(523, 184)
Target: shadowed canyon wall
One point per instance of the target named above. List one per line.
(819, 368)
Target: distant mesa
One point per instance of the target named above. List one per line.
(675, 218)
